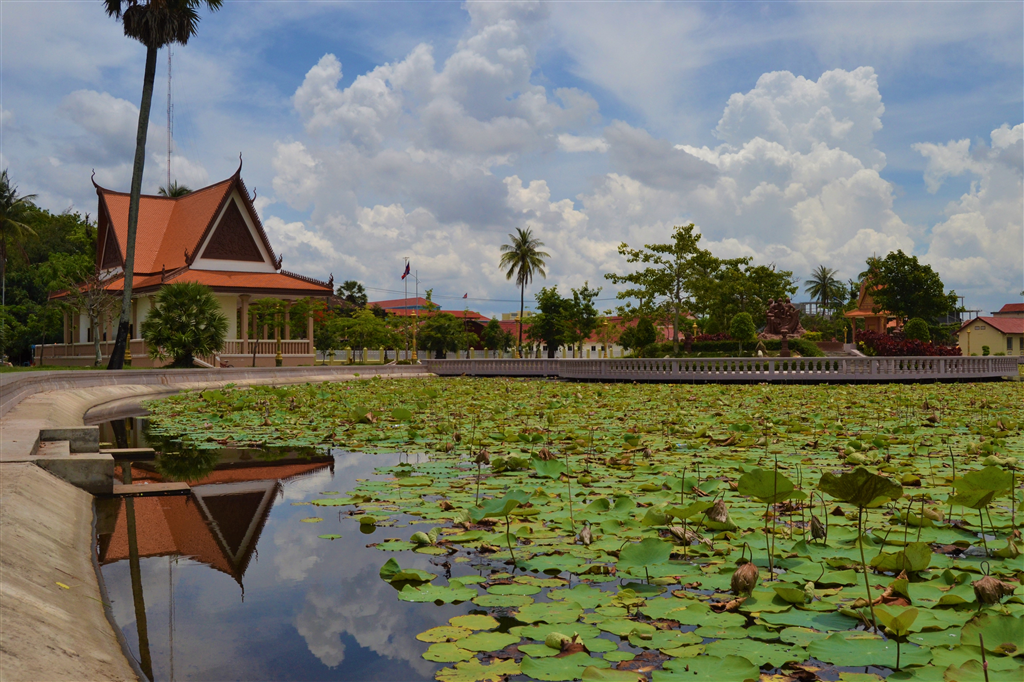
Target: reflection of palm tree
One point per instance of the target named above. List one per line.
(13, 211)
(523, 259)
(175, 190)
(155, 24)
(824, 287)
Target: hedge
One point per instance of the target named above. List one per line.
(729, 347)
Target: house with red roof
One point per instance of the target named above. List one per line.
(1010, 310)
(212, 236)
(1002, 333)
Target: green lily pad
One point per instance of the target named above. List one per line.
(801, 636)
(329, 536)
(846, 649)
(586, 596)
(444, 633)
(594, 673)
(768, 487)
(1002, 634)
(664, 639)
(540, 631)
(392, 572)
(474, 622)
(550, 612)
(538, 650)
(514, 588)
(447, 652)
(312, 519)
(558, 669)
(758, 653)
(972, 671)
(428, 593)
(487, 641)
(505, 601)
(860, 487)
(709, 669)
(475, 671)
(647, 552)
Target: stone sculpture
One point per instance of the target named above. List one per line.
(783, 320)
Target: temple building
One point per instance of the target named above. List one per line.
(212, 236)
(874, 320)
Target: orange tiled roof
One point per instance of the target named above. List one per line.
(234, 281)
(1012, 308)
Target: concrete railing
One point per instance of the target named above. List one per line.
(851, 369)
(16, 386)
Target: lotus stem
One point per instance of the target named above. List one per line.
(984, 662)
(981, 520)
(864, 566)
(508, 538)
(568, 485)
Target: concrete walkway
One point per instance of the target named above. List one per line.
(48, 631)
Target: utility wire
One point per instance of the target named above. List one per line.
(468, 298)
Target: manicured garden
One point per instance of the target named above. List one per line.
(613, 526)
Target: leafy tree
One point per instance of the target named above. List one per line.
(186, 322)
(724, 287)
(627, 339)
(548, 324)
(667, 277)
(353, 293)
(908, 288)
(523, 258)
(366, 330)
(580, 314)
(607, 333)
(442, 333)
(917, 330)
(174, 190)
(155, 24)
(14, 209)
(824, 288)
(85, 291)
(645, 333)
(496, 338)
(742, 328)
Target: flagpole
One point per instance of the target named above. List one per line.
(415, 320)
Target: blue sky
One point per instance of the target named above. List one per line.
(795, 133)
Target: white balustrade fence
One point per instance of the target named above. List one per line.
(723, 370)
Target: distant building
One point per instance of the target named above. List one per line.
(873, 320)
(1010, 310)
(1002, 334)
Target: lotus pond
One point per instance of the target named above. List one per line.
(483, 529)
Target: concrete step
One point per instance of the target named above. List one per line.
(90, 471)
(149, 489)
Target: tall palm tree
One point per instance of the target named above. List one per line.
(523, 260)
(174, 190)
(13, 210)
(824, 287)
(155, 24)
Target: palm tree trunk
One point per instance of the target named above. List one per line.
(117, 354)
(522, 304)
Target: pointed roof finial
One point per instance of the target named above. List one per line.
(93, 179)
(239, 171)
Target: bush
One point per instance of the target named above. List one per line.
(727, 348)
(985, 350)
(891, 345)
(742, 329)
(186, 322)
(812, 336)
(917, 330)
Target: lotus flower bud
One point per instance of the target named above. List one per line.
(990, 590)
(744, 579)
(554, 640)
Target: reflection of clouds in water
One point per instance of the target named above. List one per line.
(296, 553)
(368, 609)
(306, 486)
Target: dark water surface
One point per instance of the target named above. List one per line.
(234, 586)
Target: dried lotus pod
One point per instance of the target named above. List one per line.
(817, 529)
(586, 536)
(482, 457)
(719, 513)
(744, 579)
(688, 536)
(545, 454)
(990, 590)
(457, 437)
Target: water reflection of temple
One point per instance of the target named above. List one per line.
(218, 523)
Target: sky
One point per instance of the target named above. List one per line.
(799, 134)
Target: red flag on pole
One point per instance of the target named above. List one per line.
(406, 273)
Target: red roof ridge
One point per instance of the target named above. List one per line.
(160, 196)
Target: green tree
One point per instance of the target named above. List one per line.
(442, 333)
(174, 190)
(83, 291)
(742, 329)
(724, 287)
(580, 315)
(645, 334)
(548, 325)
(14, 209)
(496, 338)
(917, 330)
(907, 288)
(366, 330)
(824, 288)
(155, 24)
(186, 322)
(523, 258)
(353, 293)
(669, 269)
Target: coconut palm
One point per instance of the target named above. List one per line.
(155, 24)
(523, 260)
(13, 210)
(175, 190)
(186, 322)
(824, 287)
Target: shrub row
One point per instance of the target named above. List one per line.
(890, 345)
(727, 347)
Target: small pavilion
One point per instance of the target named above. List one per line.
(212, 236)
(874, 320)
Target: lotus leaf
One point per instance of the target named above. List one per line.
(972, 671)
(550, 612)
(444, 633)
(766, 486)
(978, 488)
(758, 653)
(426, 593)
(566, 668)
(858, 649)
(500, 507)
(914, 557)
(474, 671)
(391, 572)
(647, 552)
(447, 652)
(551, 468)
(1003, 634)
(709, 669)
(860, 487)
(487, 641)
(474, 622)
(586, 596)
(329, 536)
(502, 600)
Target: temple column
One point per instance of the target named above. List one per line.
(244, 322)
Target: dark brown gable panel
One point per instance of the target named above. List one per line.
(232, 239)
(111, 254)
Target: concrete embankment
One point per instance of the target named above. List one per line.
(53, 625)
